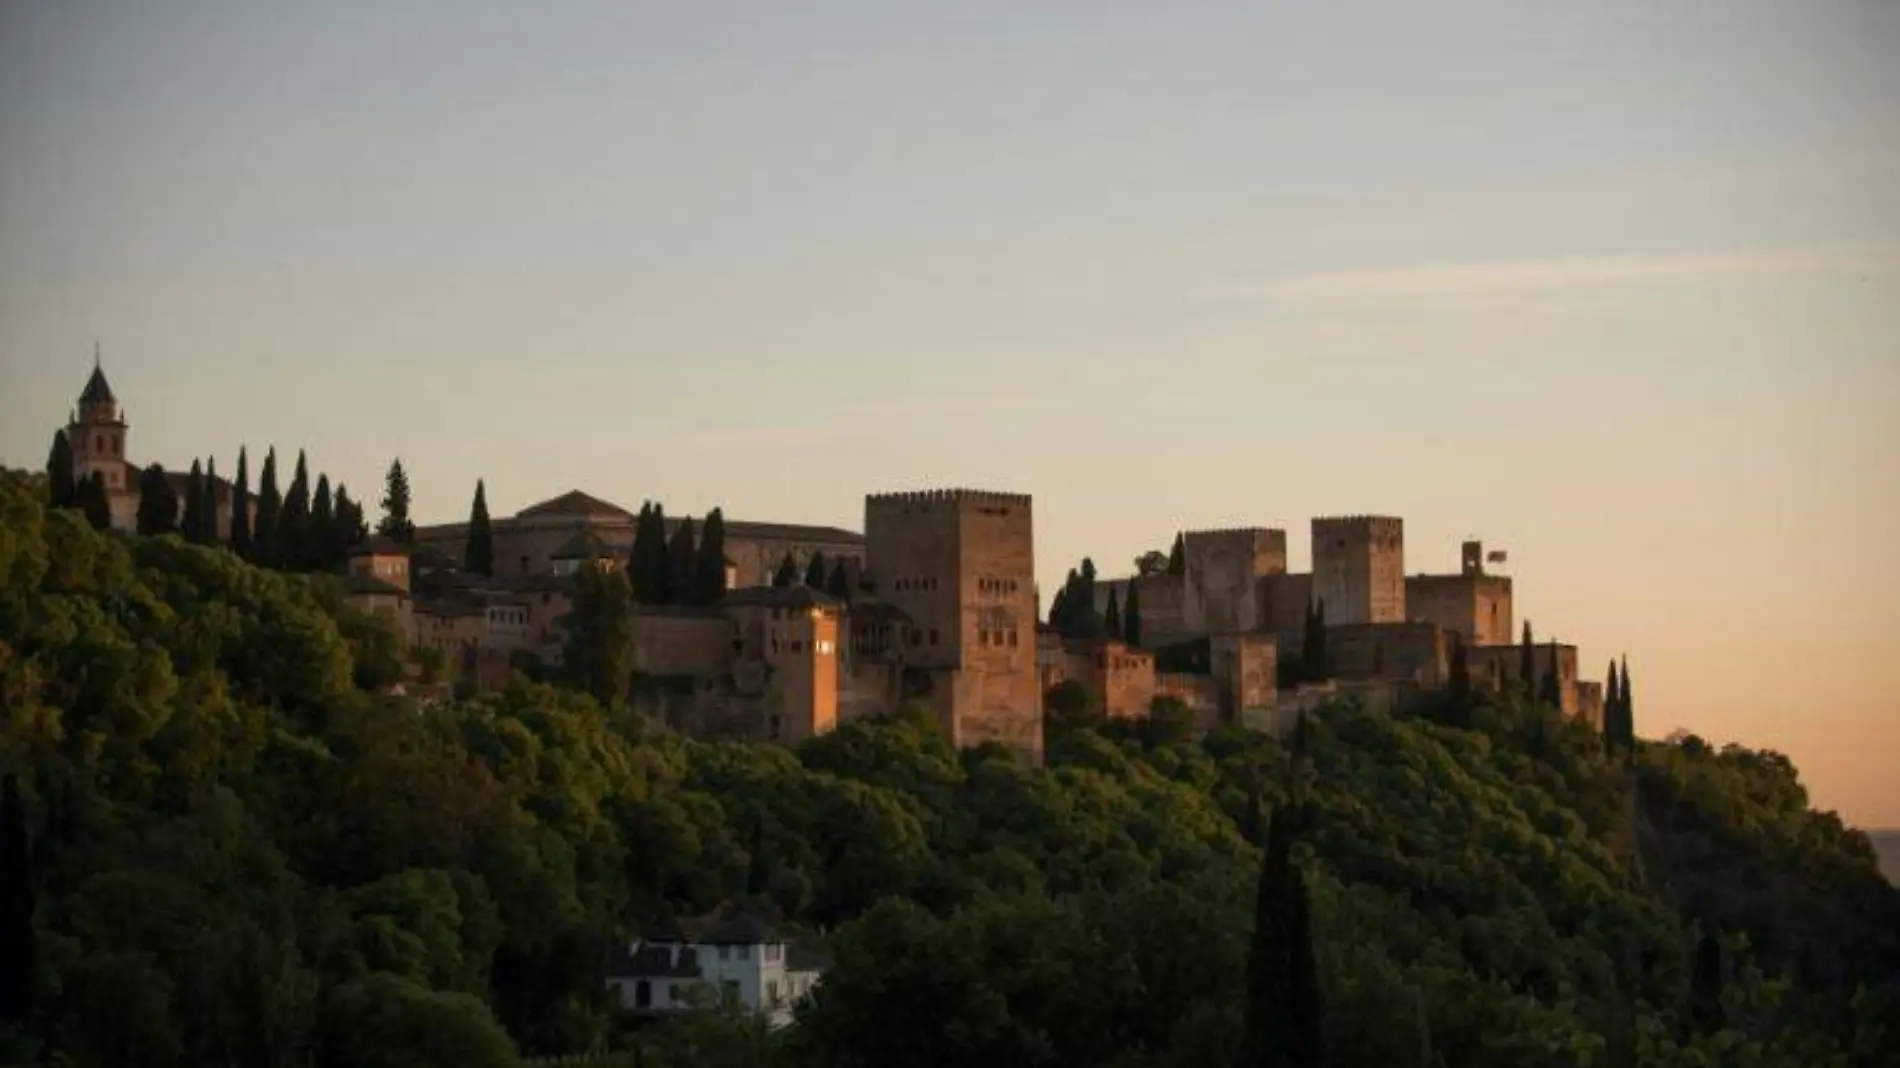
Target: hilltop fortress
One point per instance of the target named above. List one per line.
(935, 604)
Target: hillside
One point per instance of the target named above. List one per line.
(239, 856)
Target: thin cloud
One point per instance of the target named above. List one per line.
(850, 421)
(1446, 281)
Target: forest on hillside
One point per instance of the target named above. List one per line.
(220, 845)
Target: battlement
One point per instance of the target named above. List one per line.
(1235, 532)
(948, 496)
(1371, 522)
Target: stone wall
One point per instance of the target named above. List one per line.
(1245, 669)
(681, 641)
(1284, 601)
(1488, 662)
(1410, 652)
(1475, 607)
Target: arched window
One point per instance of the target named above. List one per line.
(99, 443)
(642, 994)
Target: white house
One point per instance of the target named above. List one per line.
(736, 958)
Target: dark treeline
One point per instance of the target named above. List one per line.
(219, 846)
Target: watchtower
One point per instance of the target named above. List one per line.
(97, 433)
(1359, 568)
(961, 563)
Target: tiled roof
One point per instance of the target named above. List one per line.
(574, 503)
(745, 530)
(781, 597)
(380, 545)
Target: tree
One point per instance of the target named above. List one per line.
(599, 654)
(208, 509)
(1313, 644)
(95, 503)
(1527, 664)
(350, 528)
(815, 571)
(1269, 1013)
(18, 943)
(1460, 673)
(478, 556)
(294, 543)
(1612, 708)
(1551, 689)
(241, 507)
(270, 505)
(647, 561)
(1058, 606)
(1177, 556)
(60, 489)
(192, 526)
(787, 573)
(1112, 618)
(1626, 713)
(158, 504)
(682, 556)
(395, 524)
(1306, 1042)
(709, 568)
(1705, 986)
(1131, 615)
(324, 553)
(838, 584)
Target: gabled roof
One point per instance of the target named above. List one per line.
(781, 597)
(97, 391)
(574, 503)
(380, 545)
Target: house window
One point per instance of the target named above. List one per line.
(99, 443)
(771, 992)
(798, 646)
(642, 994)
(933, 635)
(1012, 639)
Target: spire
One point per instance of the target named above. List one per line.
(97, 390)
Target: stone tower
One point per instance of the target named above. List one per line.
(961, 565)
(1359, 568)
(97, 434)
(1222, 568)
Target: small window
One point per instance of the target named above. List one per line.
(1012, 639)
(99, 443)
(797, 646)
(933, 635)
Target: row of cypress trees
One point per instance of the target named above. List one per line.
(303, 527)
(835, 580)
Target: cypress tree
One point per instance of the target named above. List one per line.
(1527, 664)
(94, 501)
(1177, 556)
(1626, 713)
(1057, 607)
(838, 584)
(350, 528)
(324, 553)
(1460, 680)
(1313, 665)
(60, 490)
(208, 511)
(655, 565)
(1306, 1043)
(478, 556)
(1131, 615)
(640, 555)
(1612, 701)
(1552, 692)
(192, 526)
(270, 505)
(293, 523)
(241, 508)
(1112, 617)
(787, 574)
(682, 556)
(709, 569)
(18, 944)
(395, 524)
(815, 571)
(158, 505)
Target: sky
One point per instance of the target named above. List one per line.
(1615, 287)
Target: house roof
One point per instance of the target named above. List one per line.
(781, 597)
(766, 531)
(574, 503)
(380, 545)
(647, 961)
(873, 610)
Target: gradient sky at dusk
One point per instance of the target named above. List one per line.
(1615, 286)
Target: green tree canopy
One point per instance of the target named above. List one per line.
(478, 556)
(395, 523)
(158, 504)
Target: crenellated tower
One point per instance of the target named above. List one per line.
(961, 564)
